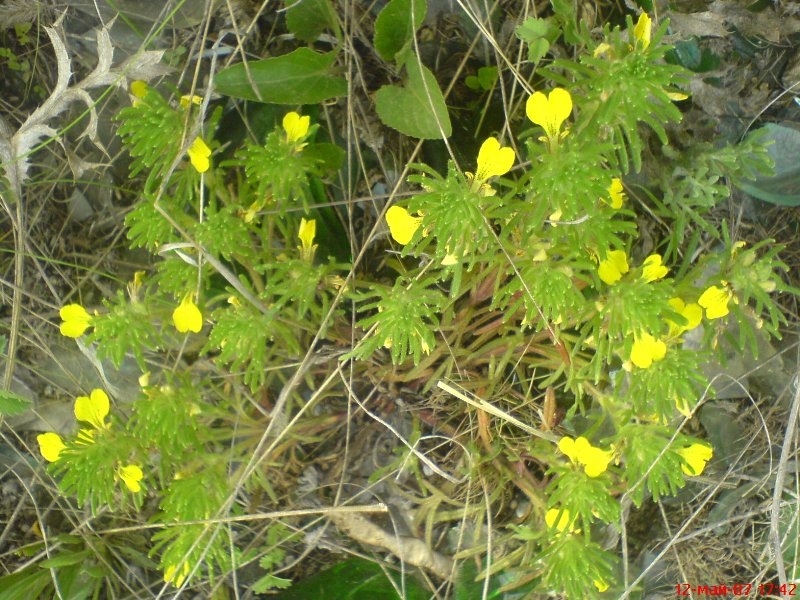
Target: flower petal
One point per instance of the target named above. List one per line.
(50, 445)
(563, 522)
(596, 461)
(613, 267)
(652, 269)
(139, 88)
(494, 160)
(696, 457)
(616, 193)
(646, 350)
(93, 409)
(176, 579)
(131, 475)
(187, 317)
(295, 126)
(567, 445)
(76, 320)
(549, 111)
(199, 154)
(306, 233)
(643, 29)
(715, 301)
(187, 100)
(402, 225)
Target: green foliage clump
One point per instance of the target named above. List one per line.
(529, 264)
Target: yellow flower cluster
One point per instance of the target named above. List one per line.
(199, 152)
(494, 160)
(92, 409)
(594, 460)
(76, 320)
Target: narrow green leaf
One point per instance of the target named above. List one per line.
(12, 404)
(307, 19)
(395, 26)
(300, 77)
(417, 109)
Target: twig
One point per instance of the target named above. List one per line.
(774, 522)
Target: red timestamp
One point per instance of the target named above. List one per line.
(737, 589)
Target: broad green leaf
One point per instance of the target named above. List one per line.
(23, 585)
(485, 79)
(418, 108)
(12, 404)
(330, 156)
(307, 19)
(353, 579)
(300, 77)
(784, 186)
(395, 26)
(538, 34)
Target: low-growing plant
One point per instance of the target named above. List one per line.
(523, 268)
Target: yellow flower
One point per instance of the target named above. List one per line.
(642, 30)
(564, 522)
(138, 91)
(187, 317)
(306, 233)
(187, 101)
(601, 49)
(85, 437)
(601, 585)
(683, 407)
(580, 451)
(652, 268)
(50, 445)
(76, 320)
(550, 111)
(199, 155)
(692, 312)
(493, 160)
(93, 409)
(139, 88)
(131, 475)
(715, 301)
(647, 350)
(295, 126)
(616, 193)
(696, 457)
(176, 579)
(402, 225)
(613, 267)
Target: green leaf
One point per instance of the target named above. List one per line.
(300, 77)
(417, 109)
(353, 579)
(64, 559)
(537, 34)
(395, 26)
(329, 156)
(784, 186)
(270, 582)
(485, 79)
(12, 404)
(307, 19)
